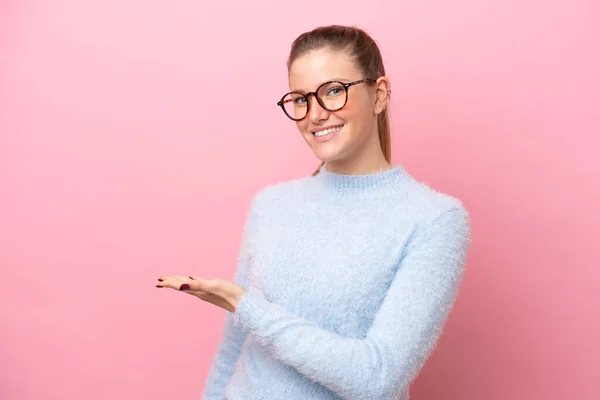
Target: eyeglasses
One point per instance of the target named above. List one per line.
(331, 95)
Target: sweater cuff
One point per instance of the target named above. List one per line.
(253, 312)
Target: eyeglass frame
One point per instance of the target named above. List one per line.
(280, 103)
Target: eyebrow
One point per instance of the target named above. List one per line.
(344, 80)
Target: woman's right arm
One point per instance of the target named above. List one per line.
(224, 361)
(229, 348)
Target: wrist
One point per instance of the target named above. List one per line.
(238, 297)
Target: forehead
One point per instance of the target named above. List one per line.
(310, 70)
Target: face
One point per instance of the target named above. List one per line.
(349, 134)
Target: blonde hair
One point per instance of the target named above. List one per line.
(365, 52)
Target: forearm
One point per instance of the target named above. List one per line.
(374, 367)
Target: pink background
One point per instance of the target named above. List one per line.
(134, 133)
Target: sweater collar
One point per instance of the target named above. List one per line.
(345, 183)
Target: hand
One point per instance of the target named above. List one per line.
(219, 292)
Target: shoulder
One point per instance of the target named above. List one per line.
(427, 204)
(276, 195)
(436, 217)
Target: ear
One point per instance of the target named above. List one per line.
(383, 89)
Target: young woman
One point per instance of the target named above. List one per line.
(346, 276)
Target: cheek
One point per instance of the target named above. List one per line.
(356, 114)
(301, 125)
(357, 107)
(348, 113)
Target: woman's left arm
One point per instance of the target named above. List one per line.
(404, 331)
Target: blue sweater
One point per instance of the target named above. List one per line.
(350, 279)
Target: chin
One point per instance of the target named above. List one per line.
(328, 156)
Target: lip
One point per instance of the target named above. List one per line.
(325, 127)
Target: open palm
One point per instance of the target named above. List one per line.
(219, 292)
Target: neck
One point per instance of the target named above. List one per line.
(354, 168)
(368, 158)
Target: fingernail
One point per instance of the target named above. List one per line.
(158, 286)
(192, 278)
(185, 286)
(160, 280)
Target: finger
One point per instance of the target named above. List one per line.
(161, 282)
(180, 278)
(199, 283)
(172, 281)
(168, 283)
(173, 277)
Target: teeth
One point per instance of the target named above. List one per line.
(328, 131)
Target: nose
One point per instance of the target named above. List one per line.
(316, 113)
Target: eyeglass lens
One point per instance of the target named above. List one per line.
(331, 95)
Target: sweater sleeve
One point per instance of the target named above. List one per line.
(404, 331)
(229, 347)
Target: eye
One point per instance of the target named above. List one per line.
(301, 100)
(335, 91)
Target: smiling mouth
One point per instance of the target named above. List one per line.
(327, 131)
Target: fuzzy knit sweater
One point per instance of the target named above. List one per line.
(350, 279)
